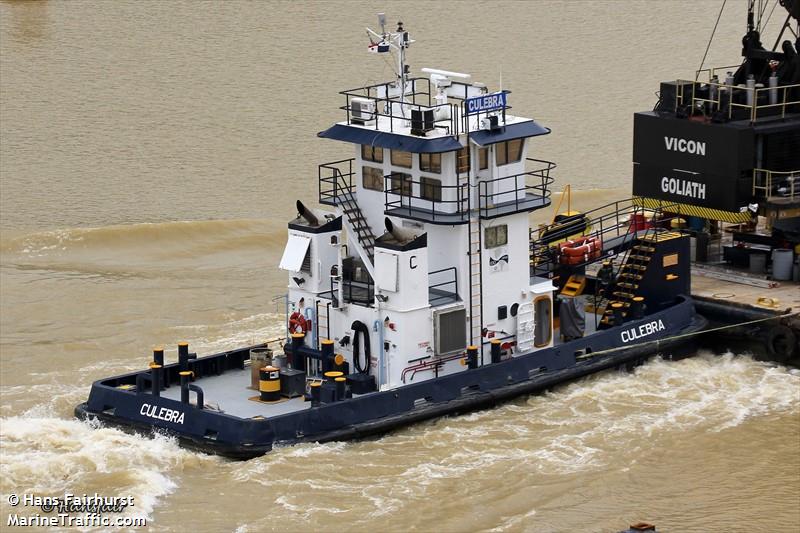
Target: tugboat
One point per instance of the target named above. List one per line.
(422, 290)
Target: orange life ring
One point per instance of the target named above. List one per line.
(298, 323)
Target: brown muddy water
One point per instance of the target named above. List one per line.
(150, 155)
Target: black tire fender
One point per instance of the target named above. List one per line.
(781, 343)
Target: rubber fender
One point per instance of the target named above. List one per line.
(781, 343)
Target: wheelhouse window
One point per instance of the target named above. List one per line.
(483, 158)
(372, 178)
(401, 159)
(400, 183)
(508, 152)
(462, 160)
(430, 163)
(495, 236)
(372, 153)
(430, 189)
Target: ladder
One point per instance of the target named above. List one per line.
(323, 321)
(475, 281)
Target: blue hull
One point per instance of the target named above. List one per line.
(663, 332)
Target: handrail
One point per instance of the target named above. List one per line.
(729, 103)
(765, 180)
(453, 282)
(486, 199)
(399, 194)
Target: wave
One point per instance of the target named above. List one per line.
(51, 456)
(177, 236)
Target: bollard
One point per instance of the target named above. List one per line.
(298, 361)
(270, 384)
(637, 307)
(155, 379)
(158, 355)
(472, 357)
(341, 388)
(183, 356)
(316, 390)
(616, 310)
(185, 377)
(327, 355)
(495, 350)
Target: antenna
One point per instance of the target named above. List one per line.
(382, 22)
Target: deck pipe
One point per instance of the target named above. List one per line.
(472, 357)
(185, 377)
(183, 356)
(316, 392)
(155, 379)
(299, 351)
(199, 393)
(637, 307)
(495, 350)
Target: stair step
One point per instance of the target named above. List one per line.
(643, 248)
(634, 267)
(626, 285)
(631, 276)
(636, 257)
(623, 294)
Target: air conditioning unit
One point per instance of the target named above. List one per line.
(450, 330)
(362, 110)
(489, 123)
(422, 121)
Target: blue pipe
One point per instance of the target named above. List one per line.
(378, 326)
(310, 314)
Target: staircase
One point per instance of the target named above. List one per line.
(359, 224)
(574, 286)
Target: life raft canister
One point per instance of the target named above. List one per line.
(580, 250)
(298, 323)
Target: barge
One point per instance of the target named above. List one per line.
(421, 289)
(724, 147)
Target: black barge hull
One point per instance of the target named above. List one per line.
(379, 412)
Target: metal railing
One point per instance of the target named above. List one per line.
(771, 184)
(754, 102)
(504, 195)
(335, 181)
(500, 194)
(398, 112)
(444, 291)
(617, 220)
(418, 198)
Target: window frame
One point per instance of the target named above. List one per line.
(368, 153)
(426, 163)
(395, 183)
(364, 178)
(503, 149)
(425, 185)
(483, 158)
(458, 153)
(401, 165)
(494, 229)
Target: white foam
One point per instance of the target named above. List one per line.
(50, 456)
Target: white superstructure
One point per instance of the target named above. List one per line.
(427, 238)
